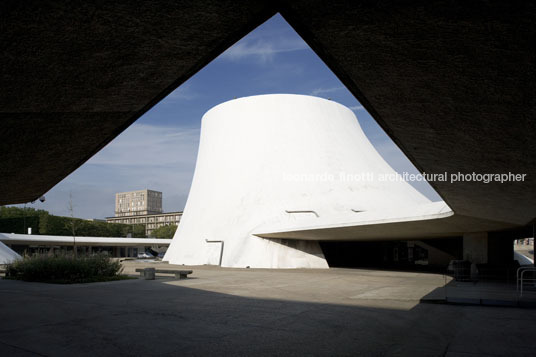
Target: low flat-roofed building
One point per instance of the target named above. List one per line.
(114, 246)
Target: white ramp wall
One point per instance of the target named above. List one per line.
(7, 255)
(264, 156)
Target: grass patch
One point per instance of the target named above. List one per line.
(66, 269)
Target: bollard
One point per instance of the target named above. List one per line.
(149, 273)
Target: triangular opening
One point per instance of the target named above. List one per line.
(159, 150)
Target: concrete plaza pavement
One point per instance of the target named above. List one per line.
(255, 312)
(526, 250)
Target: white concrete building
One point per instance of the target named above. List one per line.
(142, 207)
(150, 221)
(135, 203)
(274, 172)
(115, 246)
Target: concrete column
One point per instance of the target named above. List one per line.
(475, 247)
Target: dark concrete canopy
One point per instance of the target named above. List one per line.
(451, 82)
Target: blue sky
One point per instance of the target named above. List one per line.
(159, 150)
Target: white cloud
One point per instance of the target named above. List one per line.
(145, 145)
(184, 92)
(144, 156)
(319, 91)
(264, 50)
(356, 108)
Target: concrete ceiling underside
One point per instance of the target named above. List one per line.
(451, 82)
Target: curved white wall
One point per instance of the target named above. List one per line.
(253, 156)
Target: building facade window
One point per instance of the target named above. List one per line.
(142, 207)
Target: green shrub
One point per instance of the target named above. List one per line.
(65, 269)
(167, 231)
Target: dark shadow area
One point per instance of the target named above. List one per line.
(154, 318)
(393, 255)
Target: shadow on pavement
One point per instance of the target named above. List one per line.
(138, 317)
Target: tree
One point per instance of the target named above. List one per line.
(17, 219)
(18, 212)
(72, 223)
(138, 231)
(165, 231)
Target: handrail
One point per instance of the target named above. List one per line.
(523, 272)
(221, 248)
(518, 272)
(313, 212)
